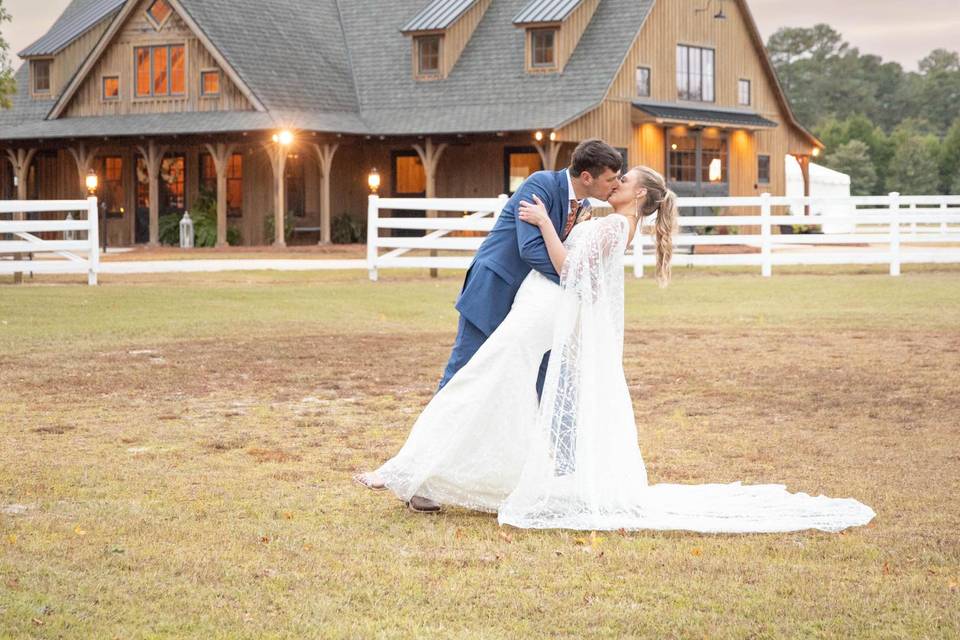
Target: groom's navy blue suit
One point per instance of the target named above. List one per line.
(503, 260)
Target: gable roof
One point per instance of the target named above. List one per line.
(438, 15)
(78, 18)
(309, 65)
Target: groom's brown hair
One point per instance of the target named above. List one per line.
(593, 156)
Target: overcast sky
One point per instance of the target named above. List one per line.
(899, 30)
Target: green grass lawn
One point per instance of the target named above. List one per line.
(176, 454)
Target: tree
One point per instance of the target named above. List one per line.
(8, 85)
(914, 169)
(950, 160)
(853, 158)
(837, 133)
(939, 93)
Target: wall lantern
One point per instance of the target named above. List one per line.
(815, 152)
(284, 138)
(538, 136)
(373, 181)
(92, 182)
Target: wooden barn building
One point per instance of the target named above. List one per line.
(281, 106)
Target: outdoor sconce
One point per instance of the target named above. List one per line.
(815, 152)
(553, 136)
(92, 182)
(284, 138)
(373, 181)
(186, 231)
(538, 136)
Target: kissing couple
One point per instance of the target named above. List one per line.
(533, 418)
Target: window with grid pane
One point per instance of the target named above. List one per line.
(159, 11)
(161, 71)
(743, 92)
(695, 73)
(543, 47)
(643, 82)
(428, 55)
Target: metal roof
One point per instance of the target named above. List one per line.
(683, 113)
(72, 25)
(439, 14)
(545, 11)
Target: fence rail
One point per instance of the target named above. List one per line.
(17, 254)
(872, 230)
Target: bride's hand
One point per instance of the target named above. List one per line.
(535, 214)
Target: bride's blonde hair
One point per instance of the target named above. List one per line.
(664, 201)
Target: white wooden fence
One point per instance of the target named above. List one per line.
(878, 228)
(26, 244)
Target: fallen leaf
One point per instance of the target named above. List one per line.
(265, 539)
(79, 531)
(37, 621)
(288, 515)
(12, 539)
(886, 568)
(697, 551)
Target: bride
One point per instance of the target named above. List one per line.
(573, 460)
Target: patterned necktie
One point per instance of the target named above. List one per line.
(575, 207)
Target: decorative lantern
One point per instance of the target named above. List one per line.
(92, 182)
(70, 234)
(186, 231)
(373, 181)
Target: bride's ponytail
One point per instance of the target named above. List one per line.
(664, 202)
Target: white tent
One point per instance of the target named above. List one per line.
(824, 182)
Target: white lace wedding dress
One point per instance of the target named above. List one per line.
(573, 462)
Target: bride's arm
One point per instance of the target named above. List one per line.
(536, 214)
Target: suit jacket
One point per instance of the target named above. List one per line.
(510, 251)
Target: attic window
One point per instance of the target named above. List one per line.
(428, 56)
(40, 71)
(543, 48)
(159, 11)
(210, 82)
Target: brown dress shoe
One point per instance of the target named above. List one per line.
(367, 481)
(423, 505)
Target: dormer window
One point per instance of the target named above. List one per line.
(428, 56)
(40, 72)
(439, 34)
(159, 12)
(552, 31)
(543, 48)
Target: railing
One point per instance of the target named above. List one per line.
(877, 227)
(26, 242)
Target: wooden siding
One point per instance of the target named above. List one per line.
(66, 62)
(118, 60)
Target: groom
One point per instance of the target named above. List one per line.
(513, 248)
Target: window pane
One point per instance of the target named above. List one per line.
(428, 54)
(112, 189)
(235, 185)
(713, 160)
(41, 76)
(763, 169)
(682, 158)
(143, 71)
(111, 88)
(643, 81)
(160, 71)
(410, 176)
(211, 82)
(707, 73)
(543, 47)
(683, 85)
(696, 89)
(177, 83)
(160, 11)
(521, 166)
(208, 173)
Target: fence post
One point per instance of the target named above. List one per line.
(93, 238)
(894, 233)
(766, 260)
(943, 223)
(373, 234)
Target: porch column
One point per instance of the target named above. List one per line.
(84, 158)
(21, 159)
(221, 154)
(153, 157)
(277, 153)
(430, 155)
(325, 158)
(549, 154)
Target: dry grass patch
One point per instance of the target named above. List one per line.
(156, 484)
